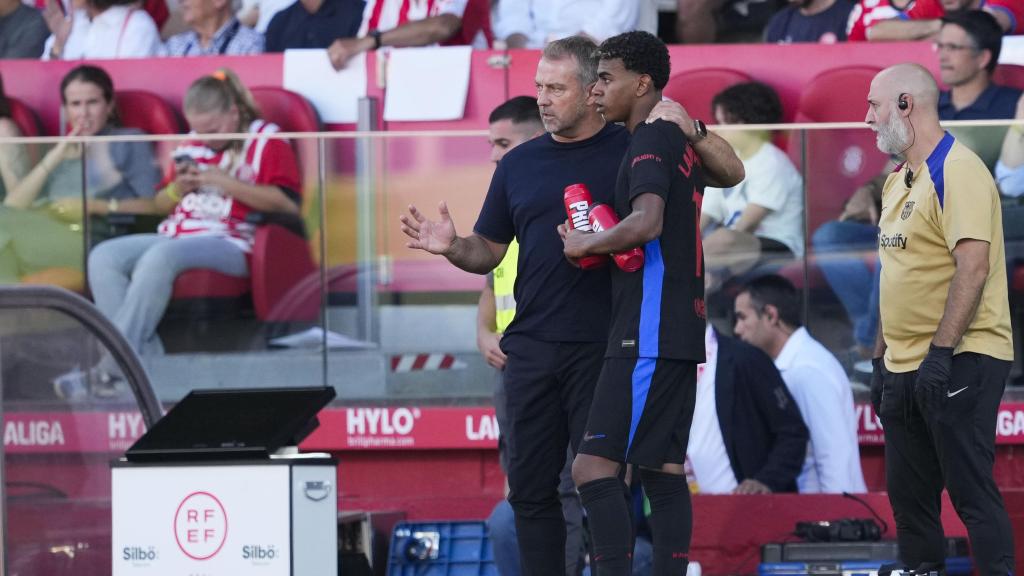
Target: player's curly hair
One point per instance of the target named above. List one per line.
(749, 103)
(640, 52)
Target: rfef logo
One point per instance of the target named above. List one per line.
(200, 526)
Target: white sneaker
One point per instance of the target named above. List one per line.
(77, 385)
(863, 367)
(72, 386)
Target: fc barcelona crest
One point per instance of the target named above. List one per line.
(908, 208)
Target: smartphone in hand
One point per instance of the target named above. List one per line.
(184, 162)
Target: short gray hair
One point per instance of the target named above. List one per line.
(579, 48)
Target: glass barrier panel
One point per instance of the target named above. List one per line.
(423, 319)
(844, 171)
(65, 417)
(757, 226)
(335, 297)
(42, 234)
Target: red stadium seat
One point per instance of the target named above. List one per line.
(1009, 75)
(290, 111)
(293, 113)
(25, 118)
(153, 115)
(837, 95)
(695, 89)
(147, 112)
(279, 261)
(28, 122)
(837, 161)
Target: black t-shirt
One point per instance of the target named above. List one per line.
(295, 27)
(555, 301)
(658, 311)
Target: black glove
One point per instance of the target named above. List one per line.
(933, 378)
(876, 385)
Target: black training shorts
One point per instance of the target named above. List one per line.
(642, 410)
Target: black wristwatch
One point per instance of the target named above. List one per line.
(376, 34)
(700, 131)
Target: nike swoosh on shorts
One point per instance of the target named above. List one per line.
(951, 394)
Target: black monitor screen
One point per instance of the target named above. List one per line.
(232, 423)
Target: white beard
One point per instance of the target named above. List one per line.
(892, 136)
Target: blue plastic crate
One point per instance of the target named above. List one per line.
(441, 549)
(958, 566)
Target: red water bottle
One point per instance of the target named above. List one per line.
(577, 207)
(602, 217)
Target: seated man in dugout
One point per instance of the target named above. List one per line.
(763, 215)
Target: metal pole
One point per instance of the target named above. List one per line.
(806, 230)
(366, 238)
(3, 484)
(321, 178)
(86, 225)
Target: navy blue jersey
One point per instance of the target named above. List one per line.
(789, 25)
(658, 311)
(555, 301)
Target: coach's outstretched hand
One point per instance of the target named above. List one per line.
(434, 237)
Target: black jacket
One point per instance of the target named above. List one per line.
(764, 434)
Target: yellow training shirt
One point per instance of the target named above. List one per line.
(952, 197)
(504, 284)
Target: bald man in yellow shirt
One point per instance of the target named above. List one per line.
(945, 345)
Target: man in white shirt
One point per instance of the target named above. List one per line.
(534, 23)
(764, 214)
(747, 436)
(102, 29)
(768, 316)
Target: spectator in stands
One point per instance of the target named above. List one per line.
(747, 435)
(846, 251)
(313, 24)
(533, 23)
(968, 47)
(763, 215)
(925, 19)
(13, 157)
(1010, 167)
(707, 21)
(41, 238)
(447, 21)
(867, 13)
(510, 124)
(214, 31)
(1010, 180)
(157, 9)
(97, 29)
(22, 30)
(257, 14)
(821, 21)
(214, 185)
(768, 316)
